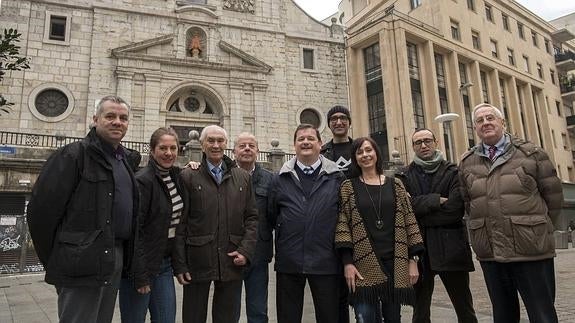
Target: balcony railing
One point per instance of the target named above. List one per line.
(55, 141)
(563, 56)
(566, 88)
(570, 120)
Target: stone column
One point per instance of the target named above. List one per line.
(276, 156)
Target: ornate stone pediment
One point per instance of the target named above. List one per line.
(240, 5)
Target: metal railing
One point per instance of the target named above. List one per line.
(563, 56)
(56, 141)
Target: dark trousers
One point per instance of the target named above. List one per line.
(256, 281)
(343, 302)
(535, 282)
(224, 305)
(457, 286)
(290, 294)
(91, 304)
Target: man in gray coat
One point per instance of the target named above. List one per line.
(513, 197)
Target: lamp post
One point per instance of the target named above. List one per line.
(445, 119)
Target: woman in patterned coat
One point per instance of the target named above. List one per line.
(377, 237)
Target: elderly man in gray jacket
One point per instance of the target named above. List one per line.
(513, 197)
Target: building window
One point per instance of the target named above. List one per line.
(547, 45)
(471, 4)
(57, 28)
(526, 64)
(308, 59)
(534, 39)
(552, 76)
(376, 99)
(564, 138)
(455, 30)
(476, 40)
(310, 116)
(444, 106)
(488, 12)
(505, 20)
(504, 104)
(414, 80)
(484, 86)
(558, 107)
(511, 56)
(494, 51)
(415, 3)
(540, 70)
(520, 30)
(554, 141)
(464, 89)
(51, 102)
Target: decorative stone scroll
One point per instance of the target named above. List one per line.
(240, 5)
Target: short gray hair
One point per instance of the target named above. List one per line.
(497, 112)
(110, 98)
(213, 128)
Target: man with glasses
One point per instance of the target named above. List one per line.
(433, 184)
(338, 149)
(513, 197)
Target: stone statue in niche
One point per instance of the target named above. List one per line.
(195, 46)
(240, 5)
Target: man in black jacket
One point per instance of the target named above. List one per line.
(256, 277)
(338, 149)
(433, 185)
(82, 216)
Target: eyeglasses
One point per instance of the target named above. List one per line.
(342, 118)
(426, 141)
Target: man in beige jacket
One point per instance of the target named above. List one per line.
(513, 197)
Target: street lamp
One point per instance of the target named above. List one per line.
(445, 119)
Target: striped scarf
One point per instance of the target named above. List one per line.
(177, 203)
(351, 233)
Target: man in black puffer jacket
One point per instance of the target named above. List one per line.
(433, 184)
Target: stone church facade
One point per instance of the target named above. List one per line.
(261, 66)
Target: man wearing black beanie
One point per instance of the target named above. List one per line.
(339, 148)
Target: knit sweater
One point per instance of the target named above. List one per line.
(352, 233)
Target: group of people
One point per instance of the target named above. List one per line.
(357, 235)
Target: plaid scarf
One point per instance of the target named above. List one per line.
(351, 233)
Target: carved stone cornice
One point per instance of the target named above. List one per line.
(240, 5)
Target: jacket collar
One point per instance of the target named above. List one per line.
(327, 166)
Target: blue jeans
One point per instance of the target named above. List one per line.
(256, 284)
(373, 313)
(535, 282)
(161, 300)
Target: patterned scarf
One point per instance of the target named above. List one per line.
(351, 233)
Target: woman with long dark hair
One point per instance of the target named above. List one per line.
(152, 285)
(378, 238)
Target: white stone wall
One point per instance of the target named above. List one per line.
(252, 99)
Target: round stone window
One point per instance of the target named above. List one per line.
(192, 104)
(310, 116)
(51, 103)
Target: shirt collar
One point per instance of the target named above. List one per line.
(212, 166)
(314, 166)
(500, 145)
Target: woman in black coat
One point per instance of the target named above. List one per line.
(151, 285)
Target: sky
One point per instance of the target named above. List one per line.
(547, 9)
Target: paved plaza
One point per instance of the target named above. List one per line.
(27, 299)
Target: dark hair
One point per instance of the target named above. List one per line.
(423, 129)
(155, 138)
(306, 126)
(356, 170)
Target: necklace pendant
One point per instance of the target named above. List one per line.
(379, 224)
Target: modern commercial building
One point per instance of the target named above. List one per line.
(412, 60)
